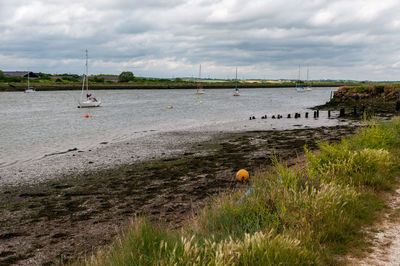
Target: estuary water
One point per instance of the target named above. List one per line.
(35, 125)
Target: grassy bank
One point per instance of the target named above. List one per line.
(303, 215)
(147, 83)
(373, 99)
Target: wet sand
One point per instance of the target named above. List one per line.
(49, 217)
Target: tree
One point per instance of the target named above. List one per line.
(2, 76)
(126, 76)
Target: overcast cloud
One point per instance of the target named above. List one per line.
(338, 39)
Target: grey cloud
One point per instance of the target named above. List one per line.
(278, 35)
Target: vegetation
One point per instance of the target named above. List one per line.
(126, 76)
(52, 82)
(373, 89)
(2, 76)
(303, 215)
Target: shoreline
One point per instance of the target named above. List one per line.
(113, 86)
(62, 218)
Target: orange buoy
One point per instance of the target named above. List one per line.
(86, 116)
(242, 175)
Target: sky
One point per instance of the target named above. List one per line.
(264, 39)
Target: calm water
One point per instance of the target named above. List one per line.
(40, 123)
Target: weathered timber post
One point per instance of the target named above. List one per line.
(341, 114)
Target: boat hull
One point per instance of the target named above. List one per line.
(88, 104)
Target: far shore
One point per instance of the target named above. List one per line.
(140, 86)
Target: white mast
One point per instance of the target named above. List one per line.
(87, 78)
(236, 88)
(199, 87)
(199, 72)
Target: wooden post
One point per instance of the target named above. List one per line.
(342, 114)
(288, 116)
(398, 106)
(329, 113)
(306, 114)
(354, 110)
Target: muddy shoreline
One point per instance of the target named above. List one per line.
(57, 220)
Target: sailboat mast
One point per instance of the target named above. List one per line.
(87, 78)
(198, 81)
(307, 73)
(199, 72)
(298, 78)
(236, 80)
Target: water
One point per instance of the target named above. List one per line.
(38, 124)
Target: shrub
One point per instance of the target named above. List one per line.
(126, 76)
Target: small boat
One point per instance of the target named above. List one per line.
(236, 92)
(29, 88)
(300, 89)
(87, 100)
(200, 89)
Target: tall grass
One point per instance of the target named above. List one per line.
(302, 215)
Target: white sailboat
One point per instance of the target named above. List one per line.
(87, 100)
(200, 89)
(29, 88)
(236, 92)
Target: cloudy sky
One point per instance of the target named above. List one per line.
(267, 39)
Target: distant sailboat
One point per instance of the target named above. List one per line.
(200, 89)
(87, 100)
(29, 88)
(236, 93)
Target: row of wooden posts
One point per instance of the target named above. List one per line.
(296, 115)
(342, 113)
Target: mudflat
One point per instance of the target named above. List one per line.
(58, 219)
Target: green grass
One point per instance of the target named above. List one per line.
(303, 215)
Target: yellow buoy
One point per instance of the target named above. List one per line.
(170, 107)
(242, 175)
(86, 116)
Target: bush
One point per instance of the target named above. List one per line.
(2, 76)
(126, 76)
